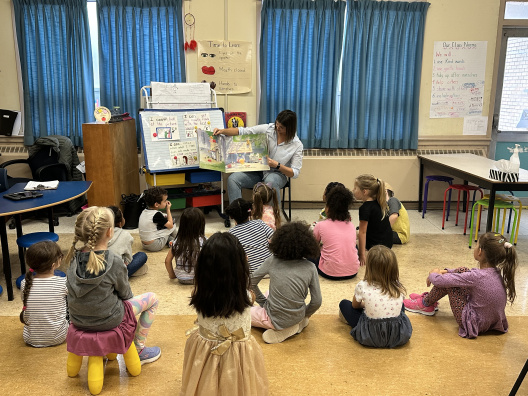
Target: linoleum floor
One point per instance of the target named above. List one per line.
(323, 359)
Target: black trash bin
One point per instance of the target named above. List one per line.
(133, 205)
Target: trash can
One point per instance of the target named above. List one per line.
(132, 205)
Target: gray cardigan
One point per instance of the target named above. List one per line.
(95, 301)
(290, 281)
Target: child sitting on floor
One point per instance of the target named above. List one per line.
(252, 234)
(284, 311)
(45, 310)
(121, 244)
(156, 229)
(263, 195)
(337, 234)
(398, 218)
(222, 357)
(186, 247)
(477, 296)
(376, 313)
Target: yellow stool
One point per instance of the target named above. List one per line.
(96, 368)
(496, 215)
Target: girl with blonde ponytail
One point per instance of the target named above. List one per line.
(99, 295)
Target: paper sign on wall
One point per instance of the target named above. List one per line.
(475, 125)
(457, 88)
(227, 63)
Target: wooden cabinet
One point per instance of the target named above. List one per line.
(111, 159)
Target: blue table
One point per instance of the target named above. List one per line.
(65, 192)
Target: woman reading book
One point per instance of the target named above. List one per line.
(284, 159)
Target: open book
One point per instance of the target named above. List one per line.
(241, 153)
(40, 185)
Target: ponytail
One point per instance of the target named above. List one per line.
(262, 195)
(377, 190)
(25, 294)
(382, 198)
(502, 255)
(508, 267)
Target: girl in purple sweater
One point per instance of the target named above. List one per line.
(477, 296)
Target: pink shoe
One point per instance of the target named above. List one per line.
(418, 307)
(416, 296)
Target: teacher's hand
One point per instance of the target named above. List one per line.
(217, 131)
(271, 162)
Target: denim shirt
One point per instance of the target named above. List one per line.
(289, 154)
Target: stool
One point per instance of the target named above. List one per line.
(460, 187)
(512, 198)
(25, 241)
(428, 179)
(95, 363)
(496, 215)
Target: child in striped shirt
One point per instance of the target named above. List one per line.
(45, 309)
(254, 235)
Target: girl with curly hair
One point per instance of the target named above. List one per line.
(283, 312)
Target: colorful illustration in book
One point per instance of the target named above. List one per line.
(229, 154)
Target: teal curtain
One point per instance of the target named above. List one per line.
(380, 86)
(300, 52)
(56, 61)
(140, 41)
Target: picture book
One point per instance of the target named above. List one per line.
(241, 153)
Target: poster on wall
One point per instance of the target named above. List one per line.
(235, 119)
(457, 88)
(227, 63)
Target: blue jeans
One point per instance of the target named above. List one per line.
(138, 260)
(350, 313)
(239, 180)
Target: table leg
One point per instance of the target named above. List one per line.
(491, 208)
(50, 219)
(18, 224)
(6, 262)
(420, 186)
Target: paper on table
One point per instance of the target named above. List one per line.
(38, 185)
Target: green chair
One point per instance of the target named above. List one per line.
(498, 205)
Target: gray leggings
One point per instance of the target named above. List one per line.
(159, 243)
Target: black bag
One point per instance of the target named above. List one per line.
(133, 205)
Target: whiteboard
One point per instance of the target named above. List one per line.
(169, 138)
(180, 95)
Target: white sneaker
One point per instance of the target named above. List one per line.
(141, 271)
(275, 336)
(302, 324)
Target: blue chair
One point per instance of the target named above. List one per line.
(431, 178)
(25, 241)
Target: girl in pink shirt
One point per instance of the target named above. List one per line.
(337, 234)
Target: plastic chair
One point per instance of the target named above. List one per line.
(431, 178)
(496, 218)
(96, 367)
(286, 186)
(459, 187)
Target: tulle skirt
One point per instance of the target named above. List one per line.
(239, 371)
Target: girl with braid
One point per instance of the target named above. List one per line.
(99, 295)
(45, 310)
(477, 296)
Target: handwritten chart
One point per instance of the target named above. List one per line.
(227, 63)
(457, 88)
(164, 128)
(194, 121)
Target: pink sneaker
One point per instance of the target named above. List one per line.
(416, 296)
(418, 307)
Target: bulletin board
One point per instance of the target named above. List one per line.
(169, 138)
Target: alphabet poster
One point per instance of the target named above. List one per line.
(227, 63)
(457, 88)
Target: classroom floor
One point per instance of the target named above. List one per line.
(323, 359)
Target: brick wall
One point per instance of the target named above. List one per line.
(515, 87)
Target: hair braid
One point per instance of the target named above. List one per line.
(25, 294)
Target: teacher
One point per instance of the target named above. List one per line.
(284, 155)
